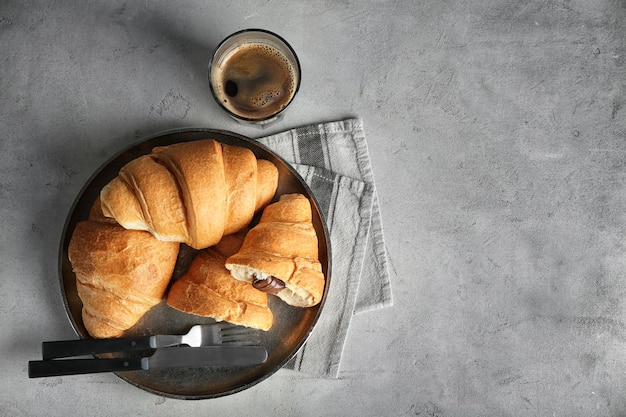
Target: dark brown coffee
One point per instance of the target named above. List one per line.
(255, 81)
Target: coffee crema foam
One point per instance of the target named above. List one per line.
(255, 81)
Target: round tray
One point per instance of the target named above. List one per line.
(291, 327)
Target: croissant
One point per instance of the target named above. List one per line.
(120, 274)
(192, 192)
(207, 289)
(280, 254)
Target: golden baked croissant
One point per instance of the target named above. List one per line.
(207, 289)
(280, 254)
(120, 273)
(192, 192)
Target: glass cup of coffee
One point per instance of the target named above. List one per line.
(254, 74)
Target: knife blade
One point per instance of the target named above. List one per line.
(189, 357)
(166, 358)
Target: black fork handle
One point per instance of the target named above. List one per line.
(69, 348)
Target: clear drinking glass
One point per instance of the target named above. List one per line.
(254, 75)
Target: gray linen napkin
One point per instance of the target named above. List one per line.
(333, 159)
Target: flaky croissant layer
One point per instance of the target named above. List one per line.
(191, 192)
(120, 274)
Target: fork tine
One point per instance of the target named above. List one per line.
(224, 325)
(240, 334)
(243, 342)
(229, 328)
(237, 330)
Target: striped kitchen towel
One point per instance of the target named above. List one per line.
(333, 159)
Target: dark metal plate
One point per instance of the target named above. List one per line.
(291, 326)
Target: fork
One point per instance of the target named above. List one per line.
(198, 335)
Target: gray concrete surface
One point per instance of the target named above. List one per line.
(497, 133)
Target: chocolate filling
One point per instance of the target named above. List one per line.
(271, 285)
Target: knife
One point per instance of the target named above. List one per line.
(166, 358)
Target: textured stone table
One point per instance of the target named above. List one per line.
(497, 131)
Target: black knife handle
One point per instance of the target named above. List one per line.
(38, 369)
(68, 348)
